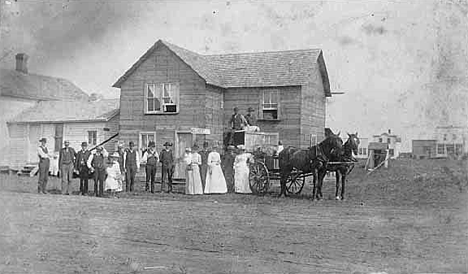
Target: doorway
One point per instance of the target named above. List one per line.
(183, 140)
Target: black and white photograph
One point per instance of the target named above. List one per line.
(233, 136)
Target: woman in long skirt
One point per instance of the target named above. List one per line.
(113, 181)
(215, 181)
(241, 171)
(193, 161)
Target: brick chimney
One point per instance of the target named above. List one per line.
(22, 62)
(389, 131)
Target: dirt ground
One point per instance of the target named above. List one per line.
(410, 218)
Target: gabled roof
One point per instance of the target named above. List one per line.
(257, 69)
(69, 111)
(38, 87)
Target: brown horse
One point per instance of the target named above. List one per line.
(342, 170)
(312, 160)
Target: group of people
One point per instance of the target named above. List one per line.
(209, 173)
(109, 171)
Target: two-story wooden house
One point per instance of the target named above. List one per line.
(173, 94)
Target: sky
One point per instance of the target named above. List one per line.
(403, 65)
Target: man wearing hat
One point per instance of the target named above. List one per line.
(204, 158)
(132, 165)
(44, 165)
(67, 156)
(82, 167)
(250, 117)
(237, 120)
(150, 158)
(167, 160)
(97, 164)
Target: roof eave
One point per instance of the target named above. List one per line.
(324, 73)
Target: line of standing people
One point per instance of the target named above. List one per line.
(229, 173)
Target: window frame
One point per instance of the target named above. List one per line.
(140, 139)
(270, 106)
(159, 92)
(95, 137)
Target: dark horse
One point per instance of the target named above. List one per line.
(312, 160)
(341, 170)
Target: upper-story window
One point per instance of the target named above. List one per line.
(270, 105)
(162, 98)
(388, 141)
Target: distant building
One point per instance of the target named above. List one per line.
(393, 142)
(363, 150)
(422, 149)
(20, 90)
(451, 141)
(58, 121)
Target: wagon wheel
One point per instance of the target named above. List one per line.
(259, 178)
(295, 183)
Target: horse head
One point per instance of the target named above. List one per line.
(353, 142)
(332, 146)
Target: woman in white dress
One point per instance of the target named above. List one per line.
(113, 181)
(193, 160)
(215, 181)
(241, 171)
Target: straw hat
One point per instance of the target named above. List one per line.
(115, 155)
(241, 147)
(187, 149)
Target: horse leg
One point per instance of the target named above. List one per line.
(314, 175)
(337, 184)
(343, 182)
(321, 176)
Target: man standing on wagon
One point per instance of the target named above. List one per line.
(167, 160)
(237, 122)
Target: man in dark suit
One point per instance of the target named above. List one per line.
(132, 165)
(167, 160)
(82, 167)
(97, 164)
(67, 156)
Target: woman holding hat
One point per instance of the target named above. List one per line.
(241, 171)
(113, 181)
(215, 181)
(193, 160)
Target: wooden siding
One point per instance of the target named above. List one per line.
(9, 108)
(23, 144)
(113, 127)
(196, 101)
(313, 109)
(288, 125)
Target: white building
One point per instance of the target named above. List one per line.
(363, 150)
(393, 141)
(451, 140)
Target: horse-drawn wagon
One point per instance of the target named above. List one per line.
(316, 161)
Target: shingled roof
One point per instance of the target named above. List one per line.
(69, 111)
(38, 87)
(257, 69)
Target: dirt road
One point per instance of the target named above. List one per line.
(398, 231)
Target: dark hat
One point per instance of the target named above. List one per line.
(250, 109)
(195, 146)
(236, 108)
(43, 140)
(205, 144)
(84, 144)
(167, 144)
(131, 143)
(151, 144)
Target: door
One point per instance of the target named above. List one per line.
(34, 136)
(183, 140)
(58, 137)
